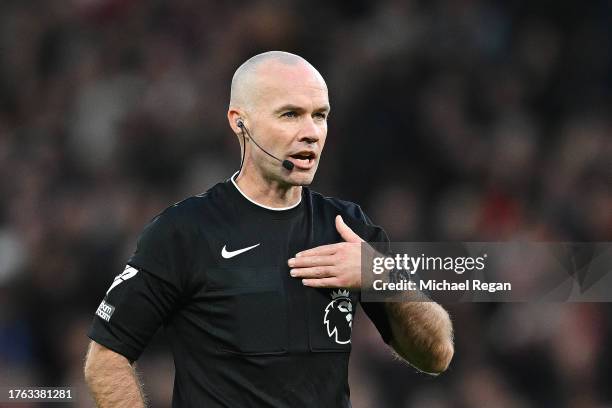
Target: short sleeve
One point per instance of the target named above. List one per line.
(163, 249)
(144, 296)
(376, 310)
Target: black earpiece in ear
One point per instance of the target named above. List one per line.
(285, 163)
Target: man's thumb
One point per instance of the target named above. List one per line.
(345, 232)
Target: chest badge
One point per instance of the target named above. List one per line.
(230, 254)
(338, 318)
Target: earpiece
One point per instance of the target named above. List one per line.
(287, 164)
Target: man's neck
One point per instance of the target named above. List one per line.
(268, 192)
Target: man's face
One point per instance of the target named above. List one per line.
(289, 119)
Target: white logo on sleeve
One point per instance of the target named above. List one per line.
(105, 311)
(128, 272)
(230, 254)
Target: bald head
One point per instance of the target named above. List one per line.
(281, 102)
(259, 71)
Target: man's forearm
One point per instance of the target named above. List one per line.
(422, 334)
(111, 379)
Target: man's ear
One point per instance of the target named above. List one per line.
(233, 116)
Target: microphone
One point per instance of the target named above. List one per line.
(285, 163)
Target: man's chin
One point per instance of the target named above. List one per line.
(304, 179)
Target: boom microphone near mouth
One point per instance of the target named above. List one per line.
(285, 163)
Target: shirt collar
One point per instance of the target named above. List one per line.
(258, 204)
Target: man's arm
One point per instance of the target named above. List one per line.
(421, 332)
(111, 379)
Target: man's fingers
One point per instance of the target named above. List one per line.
(308, 261)
(315, 272)
(322, 283)
(329, 249)
(345, 232)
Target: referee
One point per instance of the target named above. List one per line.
(256, 281)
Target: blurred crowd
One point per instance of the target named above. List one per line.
(464, 120)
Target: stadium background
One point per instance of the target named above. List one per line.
(451, 120)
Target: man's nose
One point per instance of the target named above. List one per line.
(310, 132)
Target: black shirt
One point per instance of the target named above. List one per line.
(213, 271)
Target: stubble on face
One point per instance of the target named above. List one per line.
(264, 89)
(292, 90)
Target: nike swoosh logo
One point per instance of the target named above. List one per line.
(230, 254)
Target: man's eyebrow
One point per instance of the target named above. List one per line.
(290, 107)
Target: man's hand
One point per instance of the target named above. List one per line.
(331, 266)
(422, 332)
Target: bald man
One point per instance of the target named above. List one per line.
(257, 280)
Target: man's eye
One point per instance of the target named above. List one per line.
(290, 114)
(321, 115)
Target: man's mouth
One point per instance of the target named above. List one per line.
(303, 160)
